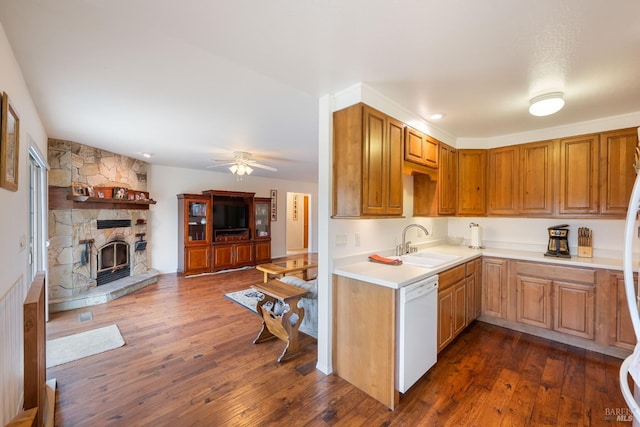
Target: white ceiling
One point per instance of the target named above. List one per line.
(193, 80)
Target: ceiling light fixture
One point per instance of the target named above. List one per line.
(547, 104)
(436, 116)
(147, 155)
(240, 169)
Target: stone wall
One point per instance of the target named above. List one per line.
(76, 163)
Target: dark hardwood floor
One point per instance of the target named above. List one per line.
(189, 361)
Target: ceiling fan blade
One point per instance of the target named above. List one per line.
(258, 165)
(221, 164)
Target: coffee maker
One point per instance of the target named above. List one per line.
(558, 241)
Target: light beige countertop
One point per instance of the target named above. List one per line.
(395, 277)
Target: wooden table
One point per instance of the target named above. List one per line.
(280, 326)
(286, 267)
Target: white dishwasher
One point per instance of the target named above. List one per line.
(417, 331)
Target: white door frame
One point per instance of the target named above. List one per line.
(38, 213)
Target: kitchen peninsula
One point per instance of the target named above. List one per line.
(577, 301)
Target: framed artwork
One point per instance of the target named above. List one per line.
(120, 193)
(295, 208)
(78, 189)
(9, 145)
(274, 205)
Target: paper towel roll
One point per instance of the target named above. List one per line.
(475, 237)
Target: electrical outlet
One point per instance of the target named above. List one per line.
(356, 240)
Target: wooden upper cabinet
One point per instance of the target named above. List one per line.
(537, 171)
(579, 175)
(447, 180)
(617, 154)
(472, 182)
(503, 180)
(420, 148)
(367, 163)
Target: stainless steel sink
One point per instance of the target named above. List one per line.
(427, 259)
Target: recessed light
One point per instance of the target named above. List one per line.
(547, 104)
(147, 155)
(436, 116)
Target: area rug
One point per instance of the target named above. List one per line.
(84, 344)
(248, 298)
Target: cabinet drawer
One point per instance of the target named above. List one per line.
(572, 274)
(451, 276)
(471, 268)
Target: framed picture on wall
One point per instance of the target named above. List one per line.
(9, 145)
(294, 214)
(274, 205)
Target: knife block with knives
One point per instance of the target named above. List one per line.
(585, 242)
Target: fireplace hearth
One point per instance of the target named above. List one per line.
(113, 262)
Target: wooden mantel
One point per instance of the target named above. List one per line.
(61, 198)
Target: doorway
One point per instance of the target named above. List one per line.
(38, 241)
(297, 228)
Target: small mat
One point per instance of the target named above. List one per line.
(248, 298)
(84, 344)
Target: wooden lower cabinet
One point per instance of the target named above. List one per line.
(621, 332)
(574, 309)
(533, 301)
(263, 251)
(232, 255)
(197, 259)
(445, 318)
(494, 287)
(457, 296)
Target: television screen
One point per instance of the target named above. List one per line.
(230, 216)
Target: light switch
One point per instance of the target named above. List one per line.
(23, 242)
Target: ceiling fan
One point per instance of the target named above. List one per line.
(242, 164)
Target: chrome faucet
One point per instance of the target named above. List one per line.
(405, 247)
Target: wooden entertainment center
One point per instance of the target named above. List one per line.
(220, 230)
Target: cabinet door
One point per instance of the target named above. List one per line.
(478, 289)
(533, 301)
(537, 165)
(197, 213)
(617, 176)
(414, 146)
(471, 298)
(382, 164)
(472, 182)
(197, 259)
(420, 148)
(374, 174)
(494, 287)
(621, 332)
(503, 180)
(263, 251)
(243, 253)
(459, 306)
(223, 256)
(262, 218)
(394, 183)
(445, 317)
(574, 309)
(448, 180)
(579, 175)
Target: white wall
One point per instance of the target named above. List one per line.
(14, 226)
(164, 183)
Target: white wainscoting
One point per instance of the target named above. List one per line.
(11, 352)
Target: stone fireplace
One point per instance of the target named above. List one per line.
(95, 247)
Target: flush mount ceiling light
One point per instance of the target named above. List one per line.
(436, 116)
(546, 104)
